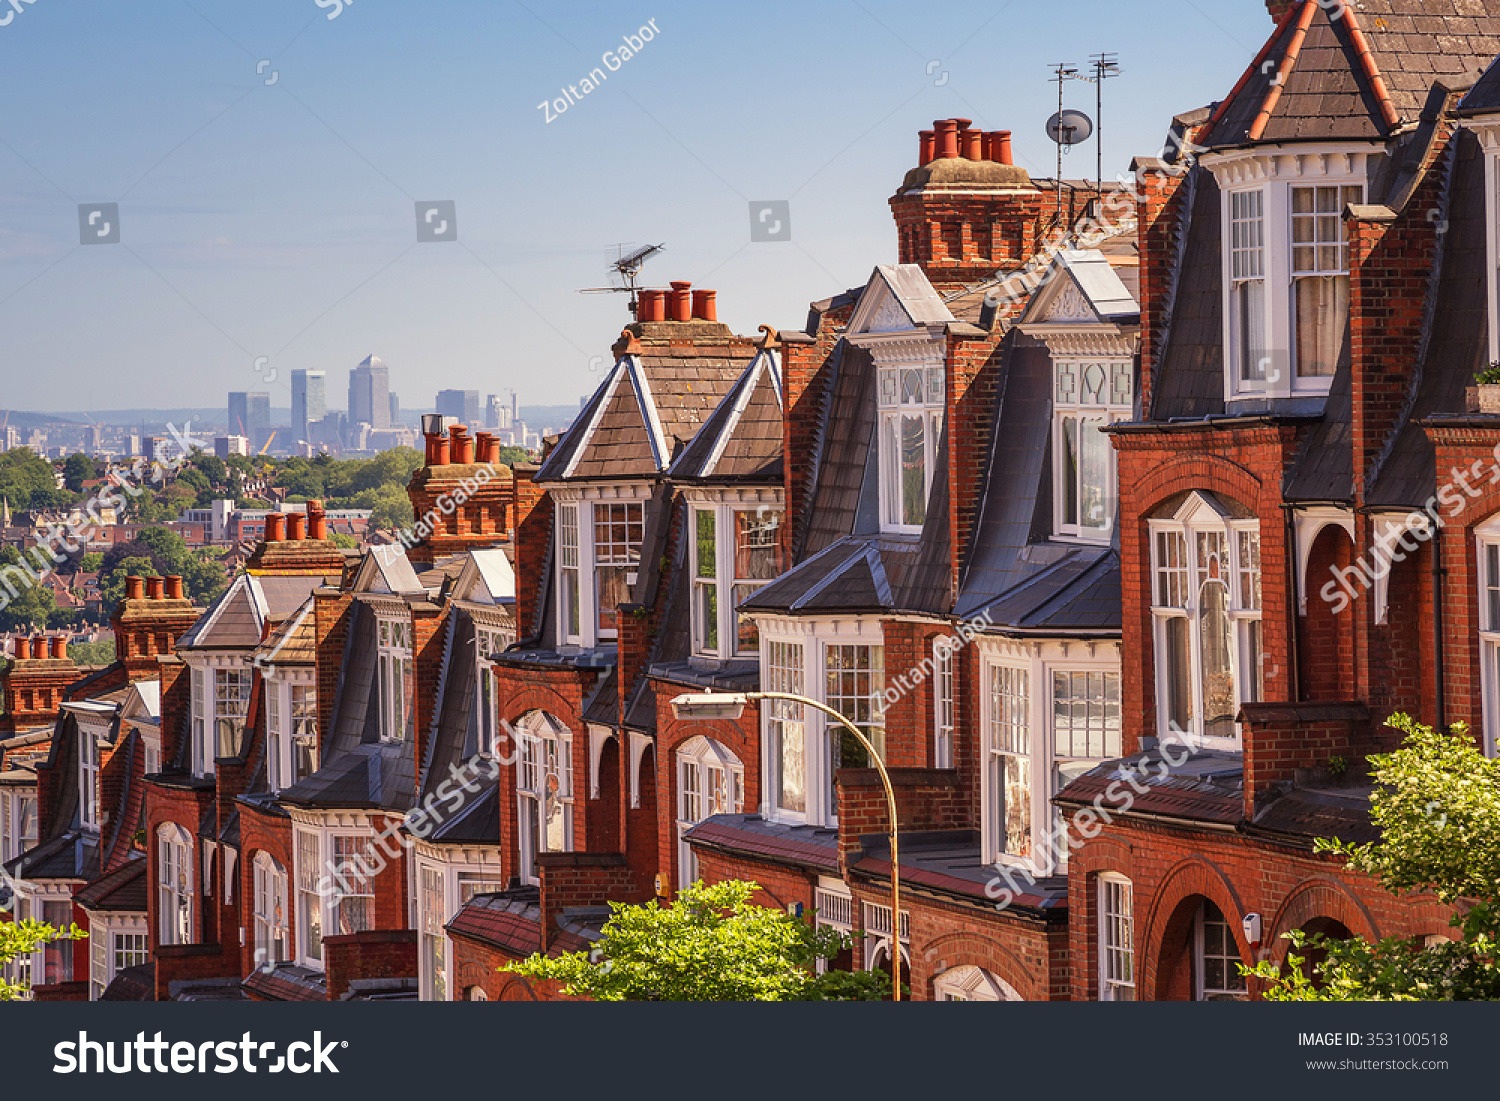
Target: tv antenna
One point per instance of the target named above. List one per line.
(626, 267)
(1105, 66)
(1066, 128)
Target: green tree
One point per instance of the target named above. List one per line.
(26, 479)
(93, 653)
(20, 938)
(213, 467)
(339, 539)
(77, 469)
(710, 945)
(112, 590)
(92, 561)
(1437, 804)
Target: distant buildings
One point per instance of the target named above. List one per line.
(370, 393)
(309, 402)
(225, 446)
(462, 405)
(249, 412)
(395, 408)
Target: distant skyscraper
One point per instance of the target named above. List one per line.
(395, 408)
(496, 414)
(309, 401)
(462, 404)
(249, 411)
(370, 393)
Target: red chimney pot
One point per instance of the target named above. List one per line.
(947, 138)
(679, 302)
(973, 143)
(653, 306)
(174, 587)
(705, 305)
(59, 647)
(275, 527)
(460, 443)
(135, 588)
(927, 146)
(296, 526)
(155, 588)
(317, 521)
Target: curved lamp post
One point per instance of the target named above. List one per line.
(707, 706)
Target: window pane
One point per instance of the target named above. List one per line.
(1322, 305)
(1179, 701)
(1218, 668)
(1250, 329)
(913, 470)
(1070, 470)
(1096, 509)
(708, 615)
(783, 673)
(757, 546)
(748, 635)
(706, 550)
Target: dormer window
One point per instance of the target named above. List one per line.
(1088, 397)
(598, 556)
(397, 687)
(1286, 267)
(291, 732)
(88, 778)
(220, 702)
(736, 551)
(911, 424)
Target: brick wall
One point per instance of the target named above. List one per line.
(533, 527)
(380, 953)
(583, 879)
(926, 799)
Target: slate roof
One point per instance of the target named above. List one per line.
(846, 498)
(1484, 97)
(949, 862)
(1309, 813)
(237, 620)
(1207, 787)
(773, 842)
(509, 920)
(453, 735)
(123, 889)
(742, 441)
(377, 776)
(1457, 335)
(70, 855)
(288, 983)
(1189, 374)
(1311, 82)
(133, 984)
(651, 404)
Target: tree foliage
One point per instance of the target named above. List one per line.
(20, 938)
(1437, 804)
(712, 944)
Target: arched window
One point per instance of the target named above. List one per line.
(174, 878)
(477, 994)
(270, 894)
(1216, 957)
(710, 780)
(545, 789)
(972, 984)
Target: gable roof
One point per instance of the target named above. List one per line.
(653, 402)
(1484, 97)
(486, 577)
(386, 569)
(295, 642)
(742, 440)
(1089, 291)
(898, 297)
(239, 618)
(1339, 74)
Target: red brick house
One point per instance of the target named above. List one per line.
(1318, 290)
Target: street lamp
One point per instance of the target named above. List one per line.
(709, 706)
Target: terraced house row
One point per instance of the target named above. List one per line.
(1117, 522)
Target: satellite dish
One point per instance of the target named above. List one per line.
(1070, 127)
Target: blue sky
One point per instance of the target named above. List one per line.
(278, 220)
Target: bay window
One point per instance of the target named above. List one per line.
(1008, 761)
(174, 880)
(272, 939)
(110, 952)
(618, 530)
(1247, 288)
(567, 562)
(18, 823)
(735, 552)
(1206, 605)
(396, 684)
(335, 874)
(710, 781)
(1085, 722)
(434, 940)
(88, 777)
(57, 955)
(598, 556)
(545, 790)
(911, 402)
(1116, 939)
(487, 711)
(309, 903)
(1087, 397)
(220, 700)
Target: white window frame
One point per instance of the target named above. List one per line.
(944, 701)
(207, 715)
(1487, 548)
(729, 590)
(892, 381)
(577, 506)
(1274, 171)
(1074, 399)
(176, 905)
(487, 641)
(1199, 515)
(459, 876)
(1202, 992)
(1115, 901)
(1040, 664)
(1346, 194)
(115, 944)
(710, 781)
(876, 925)
(17, 807)
(269, 897)
(396, 677)
(545, 741)
(361, 836)
(88, 776)
(291, 736)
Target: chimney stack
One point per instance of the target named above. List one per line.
(135, 588)
(679, 302)
(174, 587)
(155, 588)
(275, 527)
(317, 521)
(705, 305)
(296, 526)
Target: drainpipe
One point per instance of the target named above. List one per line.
(1439, 571)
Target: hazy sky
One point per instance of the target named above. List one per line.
(279, 220)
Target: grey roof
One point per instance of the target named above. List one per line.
(1331, 93)
(70, 855)
(475, 821)
(237, 619)
(453, 735)
(1101, 285)
(911, 291)
(375, 776)
(1188, 379)
(1485, 95)
(949, 862)
(845, 499)
(1458, 336)
(751, 835)
(1323, 468)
